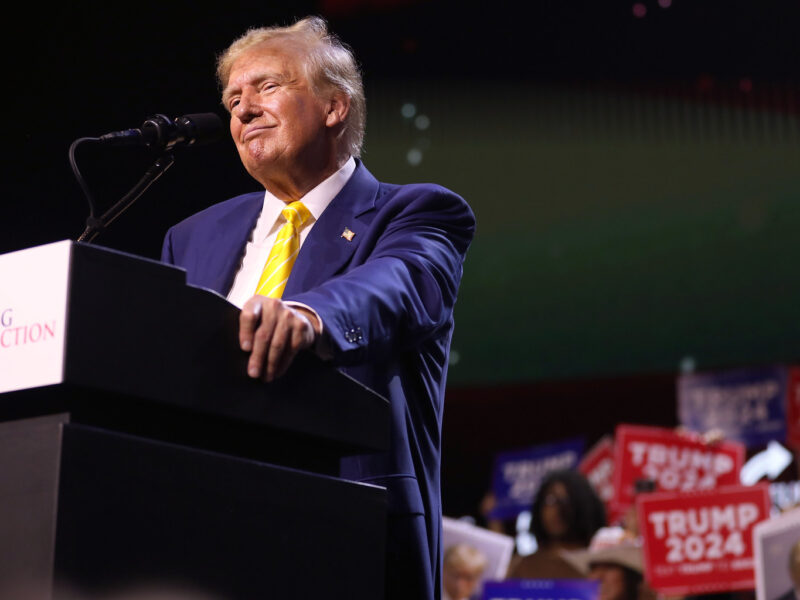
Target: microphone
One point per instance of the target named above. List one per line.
(161, 133)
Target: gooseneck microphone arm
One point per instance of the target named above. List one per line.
(157, 132)
(73, 163)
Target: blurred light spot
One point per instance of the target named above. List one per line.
(746, 85)
(525, 541)
(526, 544)
(455, 357)
(665, 3)
(408, 110)
(422, 122)
(414, 157)
(639, 10)
(688, 364)
(524, 520)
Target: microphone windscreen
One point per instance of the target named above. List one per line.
(206, 127)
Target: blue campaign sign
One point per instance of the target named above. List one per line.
(541, 589)
(516, 475)
(747, 405)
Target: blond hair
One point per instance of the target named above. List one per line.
(466, 557)
(329, 63)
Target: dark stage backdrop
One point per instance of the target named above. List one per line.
(635, 179)
(634, 166)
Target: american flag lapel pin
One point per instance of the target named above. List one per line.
(347, 234)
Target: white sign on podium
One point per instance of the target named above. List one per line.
(33, 310)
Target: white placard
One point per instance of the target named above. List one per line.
(497, 547)
(772, 542)
(33, 308)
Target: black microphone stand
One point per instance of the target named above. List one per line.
(95, 225)
(157, 132)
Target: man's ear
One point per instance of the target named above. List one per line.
(338, 108)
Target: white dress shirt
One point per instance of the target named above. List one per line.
(269, 223)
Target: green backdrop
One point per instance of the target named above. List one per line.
(618, 232)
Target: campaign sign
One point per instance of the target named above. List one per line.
(775, 543)
(674, 462)
(793, 407)
(598, 468)
(747, 405)
(34, 294)
(541, 589)
(497, 548)
(785, 495)
(701, 542)
(516, 475)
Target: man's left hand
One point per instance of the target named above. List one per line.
(274, 332)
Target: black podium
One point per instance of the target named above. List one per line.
(134, 451)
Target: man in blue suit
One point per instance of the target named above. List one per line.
(363, 273)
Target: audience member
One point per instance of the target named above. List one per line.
(488, 502)
(566, 513)
(462, 568)
(614, 559)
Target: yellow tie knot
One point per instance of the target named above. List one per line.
(296, 213)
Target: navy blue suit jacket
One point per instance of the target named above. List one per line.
(386, 302)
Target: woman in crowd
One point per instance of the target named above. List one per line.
(566, 514)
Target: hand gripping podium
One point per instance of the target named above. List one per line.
(135, 451)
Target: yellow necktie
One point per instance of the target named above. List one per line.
(284, 252)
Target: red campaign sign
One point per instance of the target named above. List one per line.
(701, 542)
(793, 408)
(598, 467)
(675, 462)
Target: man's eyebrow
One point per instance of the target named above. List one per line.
(256, 78)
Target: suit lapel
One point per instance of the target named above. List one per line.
(226, 247)
(326, 251)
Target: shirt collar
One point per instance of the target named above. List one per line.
(317, 199)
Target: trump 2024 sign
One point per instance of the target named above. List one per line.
(674, 462)
(700, 542)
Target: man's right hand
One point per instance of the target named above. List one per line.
(274, 332)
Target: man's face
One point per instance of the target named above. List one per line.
(612, 580)
(277, 122)
(460, 582)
